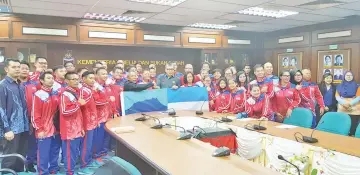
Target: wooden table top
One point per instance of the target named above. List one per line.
(170, 156)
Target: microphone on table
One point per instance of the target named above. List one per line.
(219, 152)
(280, 157)
(173, 112)
(226, 119)
(144, 118)
(259, 127)
(200, 112)
(183, 135)
(311, 139)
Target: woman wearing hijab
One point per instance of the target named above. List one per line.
(327, 89)
(348, 97)
(286, 97)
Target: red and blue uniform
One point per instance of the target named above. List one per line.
(223, 102)
(310, 96)
(59, 85)
(262, 83)
(89, 123)
(238, 101)
(196, 79)
(117, 88)
(261, 107)
(44, 108)
(105, 110)
(71, 127)
(211, 96)
(30, 89)
(285, 97)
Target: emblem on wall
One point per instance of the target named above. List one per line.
(68, 57)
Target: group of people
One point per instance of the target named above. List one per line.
(59, 114)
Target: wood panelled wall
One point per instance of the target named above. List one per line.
(311, 45)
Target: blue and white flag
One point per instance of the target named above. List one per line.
(144, 101)
(190, 98)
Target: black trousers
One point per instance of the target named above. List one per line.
(354, 124)
(18, 145)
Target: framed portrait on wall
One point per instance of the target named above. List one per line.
(335, 62)
(289, 61)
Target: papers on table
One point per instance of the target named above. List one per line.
(247, 119)
(284, 126)
(123, 129)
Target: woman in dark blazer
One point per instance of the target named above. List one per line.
(328, 90)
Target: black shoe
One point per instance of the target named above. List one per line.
(30, 168)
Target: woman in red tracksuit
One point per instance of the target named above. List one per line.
(211, 91)
(223, 97)
(189, 80)
(258, 104)
(71, 122)
(238, 98)
(44, 108)
(286, 97)
(105, 105)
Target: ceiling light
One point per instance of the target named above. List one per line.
(107, 17)
(161, 2)
(257, 11)
(211, 26)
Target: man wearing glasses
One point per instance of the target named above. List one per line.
(168, 80)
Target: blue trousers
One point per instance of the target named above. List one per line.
(55, 150)
(86, 148)
(47, 155)
(106, 143)
(71, 153)
(98, 141)
(32, 149)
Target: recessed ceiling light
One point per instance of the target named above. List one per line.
(107, 17)
(258, 11)
(161, 2)
(211, 26)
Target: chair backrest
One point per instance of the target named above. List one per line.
(357, 133)
(300, 117)
(335, 122)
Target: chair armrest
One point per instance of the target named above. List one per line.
(6, 170)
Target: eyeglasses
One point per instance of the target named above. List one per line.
(74, 79)
(286, 75)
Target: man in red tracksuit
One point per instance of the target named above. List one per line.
(89, 122)
(59, 75)
(118, 87)
(71, 121)
(105, 105)
(30, 89)
(266, 84)
(44, 108)
(310, 95)
(40, 66)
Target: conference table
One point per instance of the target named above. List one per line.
(158, 152)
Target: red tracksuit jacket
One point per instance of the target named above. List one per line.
(285, 98)
(238, 101)
(59, 86)
(30, 89)
(212, 95)
(264, 82)
(223, 102)
(44, 107)
(71, 119)
(261, 108)
(117, 88)
(105, 108)
(89, 108)
(310, 95)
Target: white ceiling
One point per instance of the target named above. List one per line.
(198, 11)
